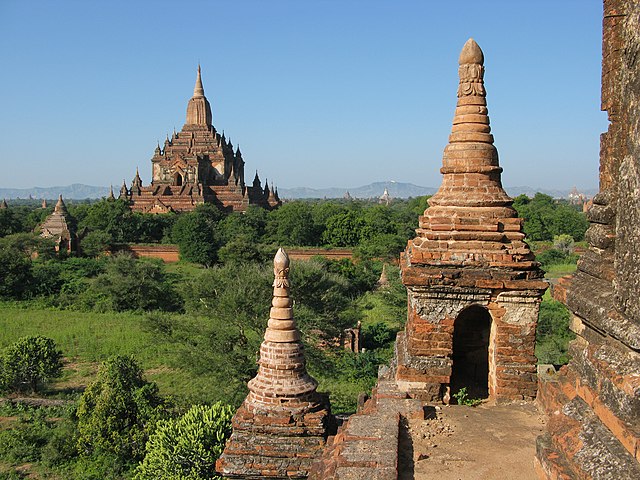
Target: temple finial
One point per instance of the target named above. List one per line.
(60, 206)
(471, 53)
(198, 90)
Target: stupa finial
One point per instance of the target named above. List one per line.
(198, 90)
(471, 53)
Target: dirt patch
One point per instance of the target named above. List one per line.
(474, 443)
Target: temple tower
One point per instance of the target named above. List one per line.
(284, 422)
(198, 108)
(58, 227)
(474, 287)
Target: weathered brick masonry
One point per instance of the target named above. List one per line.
(593, 404)
(474, 287)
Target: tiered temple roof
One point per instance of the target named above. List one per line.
(284, 422)
(197, 165)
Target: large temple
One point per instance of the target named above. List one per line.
(197, 165)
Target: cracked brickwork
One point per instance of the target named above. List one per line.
(593, 403)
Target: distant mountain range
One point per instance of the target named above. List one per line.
(406, 190)
(78, 191)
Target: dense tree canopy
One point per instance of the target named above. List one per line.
(545, 218)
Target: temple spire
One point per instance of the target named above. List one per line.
(198, 109)
(198, 90)
(470, 168)
(60, 206)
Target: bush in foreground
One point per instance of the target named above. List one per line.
(187, 448)
(28, 364)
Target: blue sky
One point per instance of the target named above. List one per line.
(317, 93)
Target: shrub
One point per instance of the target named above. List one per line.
(553, 334)
(555, 257)
(377, 335)
(29, 363)
(187, 448)
(131, 284)
(117, 412)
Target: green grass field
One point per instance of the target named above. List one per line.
(87, 338)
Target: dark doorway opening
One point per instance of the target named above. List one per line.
(177, 179)
(471, 332)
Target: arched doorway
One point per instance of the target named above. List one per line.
(177, 179)
(471, 332)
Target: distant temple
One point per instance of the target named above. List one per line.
(385, 198)
(58, 227)
(197, 165)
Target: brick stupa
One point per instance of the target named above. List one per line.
(474, 287)
(197, 165)
(284, 422)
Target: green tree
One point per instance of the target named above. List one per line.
(29, 363)
(9, 222)
(544, 218)
(30, 244)
(118, 411)
(96, 243)
(194, 232)
(15, 272)
(113, 218)
(241, 250)
(292, 224)
(564, 243)
(343, 229)
(131, 284)
(249, 226)
(187, 448)
(553, 334)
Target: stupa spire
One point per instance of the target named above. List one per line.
(60, 206)
(282, 378)
(198, 109)
(198, 90)
(470, 168)
(284, 422)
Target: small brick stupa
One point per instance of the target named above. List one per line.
(284, 422)
(474, 287)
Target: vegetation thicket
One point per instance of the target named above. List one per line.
(195, 326)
